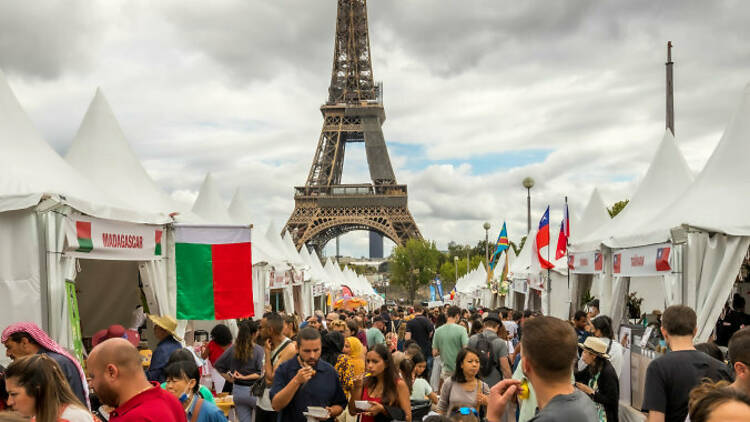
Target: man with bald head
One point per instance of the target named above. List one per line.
(119, 381)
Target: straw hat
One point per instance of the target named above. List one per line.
(595, 346)
(166, 322)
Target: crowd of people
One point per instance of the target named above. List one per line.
(389, 364)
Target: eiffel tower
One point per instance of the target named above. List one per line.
(324, 208)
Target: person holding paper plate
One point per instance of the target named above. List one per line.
(381, 395)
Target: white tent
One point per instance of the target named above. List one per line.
(101, 152)
(239, 208)
(209, 205)
(594, 216)
(39, 192)
(710, 228)
(667, 177)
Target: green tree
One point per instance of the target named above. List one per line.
(617, 207)
(448, 270)
(414, 264)
(517, 249)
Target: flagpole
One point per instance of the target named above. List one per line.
(567, 250)
(549, 278)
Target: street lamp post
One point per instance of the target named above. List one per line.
(528, 183)
(486, 243)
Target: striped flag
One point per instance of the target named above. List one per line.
(214, 272)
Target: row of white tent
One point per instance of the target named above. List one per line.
(697, 223)
(101, 178)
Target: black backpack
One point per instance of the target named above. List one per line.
(487, 359)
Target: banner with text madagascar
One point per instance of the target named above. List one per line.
(95, 238)
(214, 272)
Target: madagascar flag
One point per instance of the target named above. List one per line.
(83, 233)
(214, 272)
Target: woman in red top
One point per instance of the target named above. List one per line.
(221, 339)
(387, 394)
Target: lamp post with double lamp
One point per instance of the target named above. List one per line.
(528, 183)
(486, 226)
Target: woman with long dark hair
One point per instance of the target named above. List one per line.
(37, 388)
(386, 393)
(598, 379)
(464, 388)
(333, 353)
(242, 364)
(603, 331)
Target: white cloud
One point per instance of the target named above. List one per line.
(233, 87)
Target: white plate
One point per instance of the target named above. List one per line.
(317, 415)
(362, 404)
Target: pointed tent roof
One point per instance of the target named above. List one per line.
(665, 180)
(101, 152)
(239, 208)
(315, 260)
(280, 249)
(520, 266)
(333, 282)
(291, 250)
(717, 199)
(30, 168)
(209, 204)
(594, 216)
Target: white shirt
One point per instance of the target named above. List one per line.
(511, 327)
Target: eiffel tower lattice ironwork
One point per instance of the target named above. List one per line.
(325, 208)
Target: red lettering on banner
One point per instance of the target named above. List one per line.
(584, 262)
(637, 261)
(122, 241)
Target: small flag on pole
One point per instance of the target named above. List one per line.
(542, 240)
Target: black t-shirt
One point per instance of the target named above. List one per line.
(670, 378)
(421, 331)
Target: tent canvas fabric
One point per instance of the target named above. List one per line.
(209, 205)
(667, 177)
(31, 170)
(239, 208)
(101, 152)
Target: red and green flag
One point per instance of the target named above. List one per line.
(214, 272)
(83, 233)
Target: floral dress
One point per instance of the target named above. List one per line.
(346, 373)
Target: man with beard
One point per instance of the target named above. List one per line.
(278, 349)
(306, 381)
(119, 381)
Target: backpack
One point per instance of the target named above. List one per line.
(487, 359)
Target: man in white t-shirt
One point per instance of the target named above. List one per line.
(510, 326)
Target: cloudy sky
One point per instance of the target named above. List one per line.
(478, 94)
